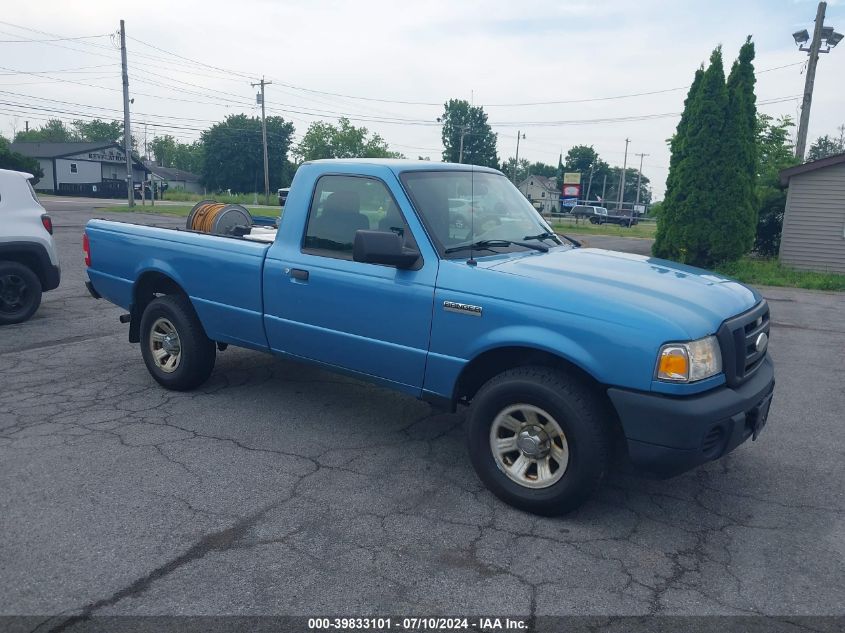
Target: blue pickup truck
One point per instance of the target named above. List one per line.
(565, 355)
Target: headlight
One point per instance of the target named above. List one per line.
(688, 362)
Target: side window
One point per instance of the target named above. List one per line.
(342, 205)
(73, 168)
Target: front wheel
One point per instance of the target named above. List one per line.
(176, 350)
(20, 293)
(539, 440)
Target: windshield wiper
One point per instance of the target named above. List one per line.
(543, 236)
(556, 236)
(488, 244)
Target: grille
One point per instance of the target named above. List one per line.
(738, 338)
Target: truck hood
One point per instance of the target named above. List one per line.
(618, 286)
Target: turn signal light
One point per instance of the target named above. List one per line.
(673, 364)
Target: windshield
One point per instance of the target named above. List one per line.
(460, 208)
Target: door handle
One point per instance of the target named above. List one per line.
(298, 273)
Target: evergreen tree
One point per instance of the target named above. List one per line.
(701, 171)
(667, 238)
(735, 222)
(710, 211)
(666, 224)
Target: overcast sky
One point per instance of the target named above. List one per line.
(495, 53)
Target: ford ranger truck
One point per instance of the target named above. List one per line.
(562, 353)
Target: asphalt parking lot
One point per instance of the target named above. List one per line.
(282, 489)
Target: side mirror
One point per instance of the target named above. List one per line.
(383, 247)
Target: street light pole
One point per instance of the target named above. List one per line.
(263, 83)
(622, 178)
(639, 176)
(464, 132)
(821, 34)
(516, 160)
(127, 127)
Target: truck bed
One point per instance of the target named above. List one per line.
(222, 275)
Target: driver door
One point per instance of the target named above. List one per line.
(323, 306)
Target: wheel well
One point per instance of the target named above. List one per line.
(150, 285)
(492, 363)
(28, 259)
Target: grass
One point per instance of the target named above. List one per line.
(770, 272)
(179, 210)
(568, 226)
(179, 195)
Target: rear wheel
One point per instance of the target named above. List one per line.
(20, 293)
(174, 346)
(538, 439)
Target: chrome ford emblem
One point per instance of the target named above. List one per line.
(762, 342)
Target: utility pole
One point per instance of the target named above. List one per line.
(590, 183)
(831, 39)
(603, 189)
(516, 160)
(639, 176)
(263, 83)
(26, 127)
(622, 177)
(464, 132)
(127, 127)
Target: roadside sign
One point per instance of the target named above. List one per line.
(572, 178)
(570, 191)
(639, 208)
(569, 202)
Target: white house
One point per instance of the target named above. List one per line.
(542, 193)
(176, 178)
(82, 169)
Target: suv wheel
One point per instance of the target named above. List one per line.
(538, 439)
(176, 350)
(20, 293)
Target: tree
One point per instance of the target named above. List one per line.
(585, 160)
(18, 162)
(169, 152)
(54, 131)
(708, 212)
(522, 170)
(613, 180)
(459, 118)
(774, 153)
(667, 225)
(344, 140)
(234, 153)
(825, 146)
(734, 223)
(98, 130)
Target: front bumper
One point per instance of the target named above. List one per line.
(669, 435)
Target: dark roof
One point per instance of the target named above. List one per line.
(168, 173)
(54, 150)
(550, 184)
(829, 161)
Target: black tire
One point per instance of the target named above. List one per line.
(577, 410)
(20, 293)
(197, 352)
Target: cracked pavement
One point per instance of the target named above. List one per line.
(278, 488)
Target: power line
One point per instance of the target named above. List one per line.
(55, 39)
(240, 75)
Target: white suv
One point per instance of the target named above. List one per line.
(28, 261)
